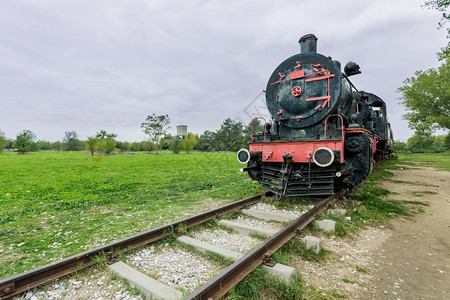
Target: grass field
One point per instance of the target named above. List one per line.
(57, 204)
(435, 160)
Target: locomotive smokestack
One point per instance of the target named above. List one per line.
(308, 43)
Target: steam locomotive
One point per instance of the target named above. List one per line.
(324, 135)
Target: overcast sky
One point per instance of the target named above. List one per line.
(107, 64)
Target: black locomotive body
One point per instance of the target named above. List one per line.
(324, 134)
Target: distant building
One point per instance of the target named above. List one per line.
(182, 131)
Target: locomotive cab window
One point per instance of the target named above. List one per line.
(378, 111)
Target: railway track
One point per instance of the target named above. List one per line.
(212, 289)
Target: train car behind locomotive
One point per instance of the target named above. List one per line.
(324, 134)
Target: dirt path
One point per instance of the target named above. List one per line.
(414, 261)
(408, 259)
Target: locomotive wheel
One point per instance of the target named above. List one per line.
(355, 144)
(254, 174)
(358, 159)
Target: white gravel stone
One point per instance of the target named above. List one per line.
(231, 241)
(258, 223)
(174, 267)
(86, 288)
(269, 207)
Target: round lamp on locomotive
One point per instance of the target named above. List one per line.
(323, 157)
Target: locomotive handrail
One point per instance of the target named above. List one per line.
(251, 127)
(342, 125)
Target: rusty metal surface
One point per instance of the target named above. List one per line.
(28, 280)
(231, 276)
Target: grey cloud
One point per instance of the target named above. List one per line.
(91, 65)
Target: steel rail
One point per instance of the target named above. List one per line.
(231, 276)
(20, 283)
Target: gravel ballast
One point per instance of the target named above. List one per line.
(174, 267)
(231, 241)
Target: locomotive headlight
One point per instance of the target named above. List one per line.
(323, 157)
(243, 156)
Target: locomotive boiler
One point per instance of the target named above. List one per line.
(324, 134)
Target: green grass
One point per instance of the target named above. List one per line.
(362, 269)
(423, 193)
(294, 248)
(369, 204)
(57, 204)
(260, 284)
(436, 160)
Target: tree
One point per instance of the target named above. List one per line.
(107, 142)
(123, 146)
(43, 145)
(103, 135)
(166, 142)
(426, 95)
(192, 137)
(92, 144)
(400, 146)
(135, 146)
(71, 141)
(206, 141)
(187, 145)
(147, 146)
(438, 145)
(258, 127)
(447, 141)
(442, 6)
(230, 136)
(56, 146)
(24, 141)
(155, 127)
(108, 145)
(419, 143)
(427, 98)
(3, 141)
(176, 146)
(189, 142)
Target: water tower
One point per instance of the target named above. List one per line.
(182, 131)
